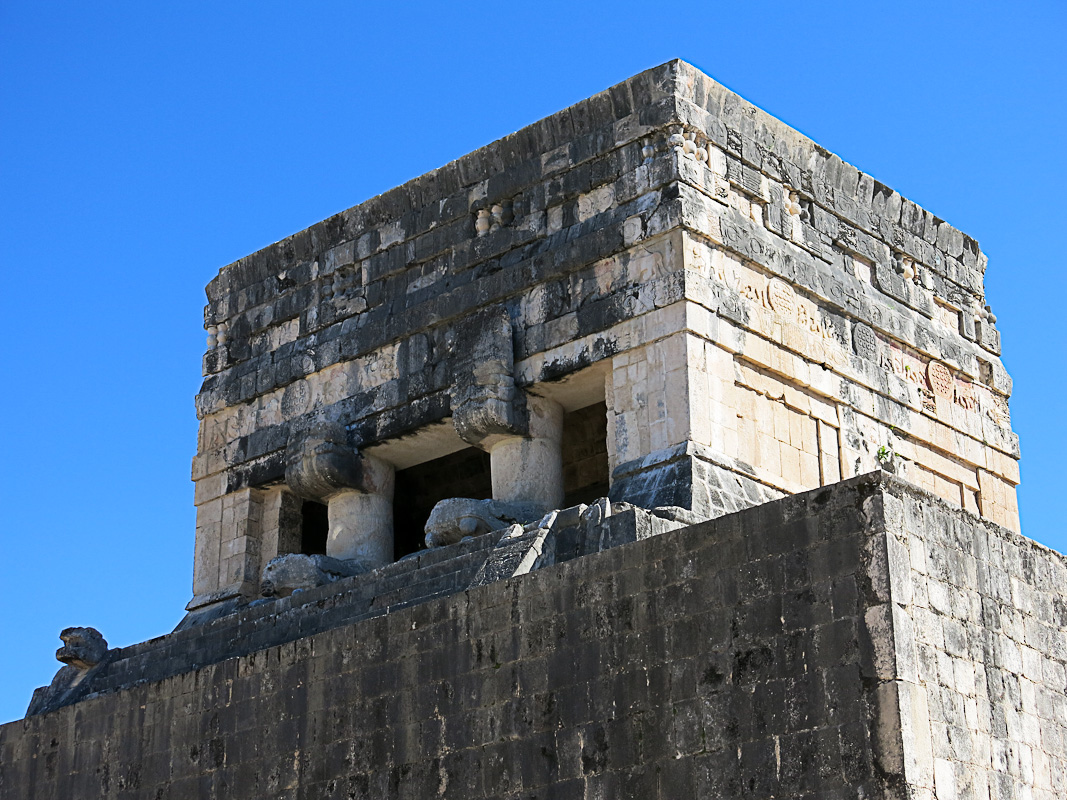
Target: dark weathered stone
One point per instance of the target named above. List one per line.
(320, 462)
(84, 654)
(672, 271)
(485, 400)
(296, 572)
(641, 668)
(458, 517)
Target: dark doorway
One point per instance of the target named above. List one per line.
(585, 455)
(419, 488)
(314, 528)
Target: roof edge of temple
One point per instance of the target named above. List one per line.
(672, 93)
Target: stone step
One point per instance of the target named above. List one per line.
(429, 557)
(431, 574)
(454, 581)
(464, 562)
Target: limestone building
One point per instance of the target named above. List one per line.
(660, 331)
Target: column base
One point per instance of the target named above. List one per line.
(691, 476)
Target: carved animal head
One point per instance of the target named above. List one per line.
(452, 519)
(319, 461)
(83, 648)
(457, 517)
(295, 571)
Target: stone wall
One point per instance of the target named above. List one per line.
(980, 620)
(757, 317)
(858, 639)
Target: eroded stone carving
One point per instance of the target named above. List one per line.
(940, 379)
(83, 652)
(486, 403)
(217, 334)
(358, 490)
(864, 341)
(320, 463)
(452, 519)
(295, 572)
(494, 217)
(82, 648)
(904, 265)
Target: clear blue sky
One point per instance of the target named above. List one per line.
(145, 145)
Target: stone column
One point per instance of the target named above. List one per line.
(361, 520)
(529, 469)
(357, 489)
(520, 432)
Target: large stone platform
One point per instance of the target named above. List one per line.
(865, 639)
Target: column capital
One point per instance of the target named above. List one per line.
(486, 403)
(321, 463)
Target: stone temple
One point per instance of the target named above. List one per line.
(650, 451)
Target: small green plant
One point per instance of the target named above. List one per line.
(884, 455)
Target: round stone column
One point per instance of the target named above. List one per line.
(356, 488)
(529, 469)
(361, 520)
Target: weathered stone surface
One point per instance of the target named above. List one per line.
(663, 295)
(726, 287)
(859, 638)
(320, 463)
(486, 404)
(82, 648)
(357, 488)
(298, 572)
(84, 653)
(458, 517)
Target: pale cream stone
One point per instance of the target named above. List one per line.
(361, 522)
(769, 455)
(796, 399)
(915, 722)
(834, 448)
(206, 558)
(529, 469)
(361, 527)
(390, 234)
(810, 476)
(947, 490)
(270, 531)
(789, 458)
(781, 417)
(596, 202)
(861, 269)
(802, 434)
(209, 488)
(632, 230)
(555, 219)
(716, 160)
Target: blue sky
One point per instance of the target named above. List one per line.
(143, 146)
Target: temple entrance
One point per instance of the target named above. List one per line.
(585, 454)
(419, 488)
